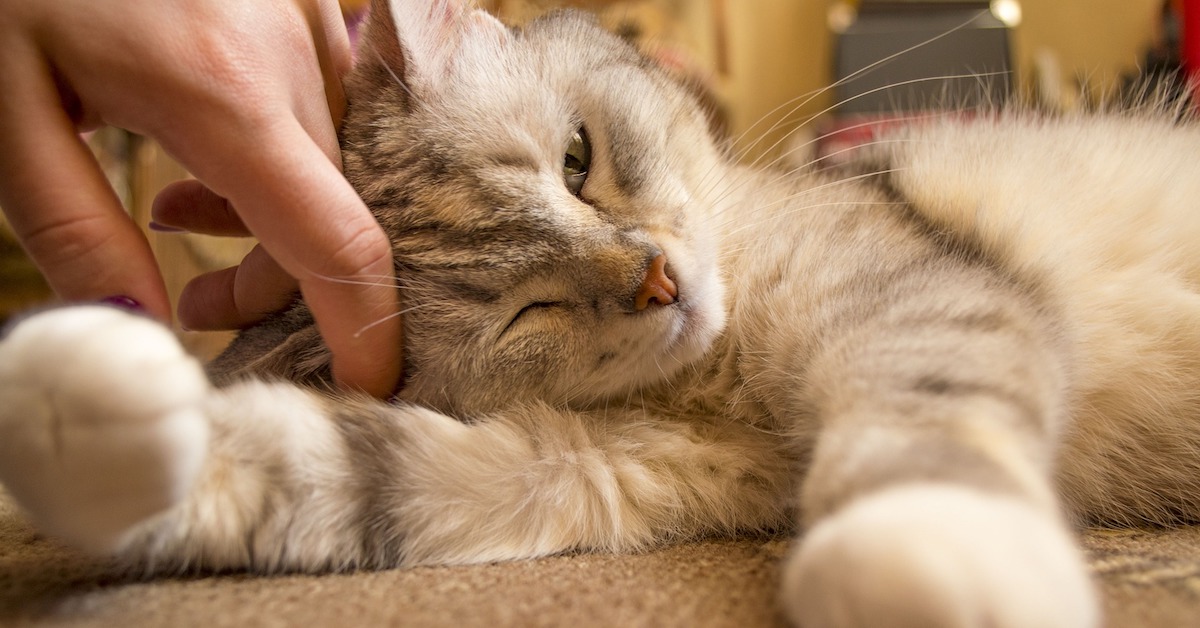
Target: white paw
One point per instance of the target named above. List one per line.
(937, 556)
(100, 426)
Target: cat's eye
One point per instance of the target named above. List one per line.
(537, 306)
(576, 161)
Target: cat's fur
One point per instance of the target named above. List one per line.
(931, 368)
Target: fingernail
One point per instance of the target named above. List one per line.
(161, 228)
(123, 302)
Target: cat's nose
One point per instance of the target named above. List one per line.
(657, 287)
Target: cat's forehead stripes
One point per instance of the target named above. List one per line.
(629, 161)
(474, 292)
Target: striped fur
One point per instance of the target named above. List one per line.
(931, 367)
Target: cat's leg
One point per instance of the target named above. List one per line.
(113, 439)
(538, 480)
(928, 501)
(100, 425)
(299, 481)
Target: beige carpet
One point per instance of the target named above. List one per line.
(1150, 578)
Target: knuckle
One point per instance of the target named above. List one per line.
(67, 242)
(366, 251)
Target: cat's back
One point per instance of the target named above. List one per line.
(1104, 211)
(1092, 218)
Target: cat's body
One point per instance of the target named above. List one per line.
(931, 367)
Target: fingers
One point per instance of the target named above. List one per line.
(307, 216)
(252, 119)
(231, 298)
(191, 206)
(333, 53)
(343, 261)
(356, 310)
(58, 201)
(278, 165)
(321, 25)
(236, 297)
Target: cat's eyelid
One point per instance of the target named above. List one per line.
(530, 307)
(515, 161)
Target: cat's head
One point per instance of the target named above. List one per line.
(545, 192)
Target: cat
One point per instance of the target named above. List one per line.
(617, 338)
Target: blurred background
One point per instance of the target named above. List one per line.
(748, 60)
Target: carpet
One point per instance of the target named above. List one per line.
(1150, 579)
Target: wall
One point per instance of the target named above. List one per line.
(780, 49)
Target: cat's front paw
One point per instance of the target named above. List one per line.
(931, 556)
(100, 425)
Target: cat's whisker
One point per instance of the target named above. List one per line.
(412, 95)
(396, 79)
(790, 173)
(744, 223)
(853, 127)
(362, 280)
(818, 188)
(801, 124)
(578, 389)
(877, 90)
(810, 96)
(629, 398)
(389, 317)
(802, 208)
(664, 373)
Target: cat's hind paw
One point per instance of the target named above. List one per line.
(100, 422)
(931, 556)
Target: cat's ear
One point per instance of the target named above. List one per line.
(421, 40)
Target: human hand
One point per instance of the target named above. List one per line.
(245, 95)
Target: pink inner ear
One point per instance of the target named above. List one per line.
(354, 22)
(484, 24)
(420, 40)
(414, 39)
(430, 32)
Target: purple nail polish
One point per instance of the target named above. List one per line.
(161, 228)
(123, 302)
